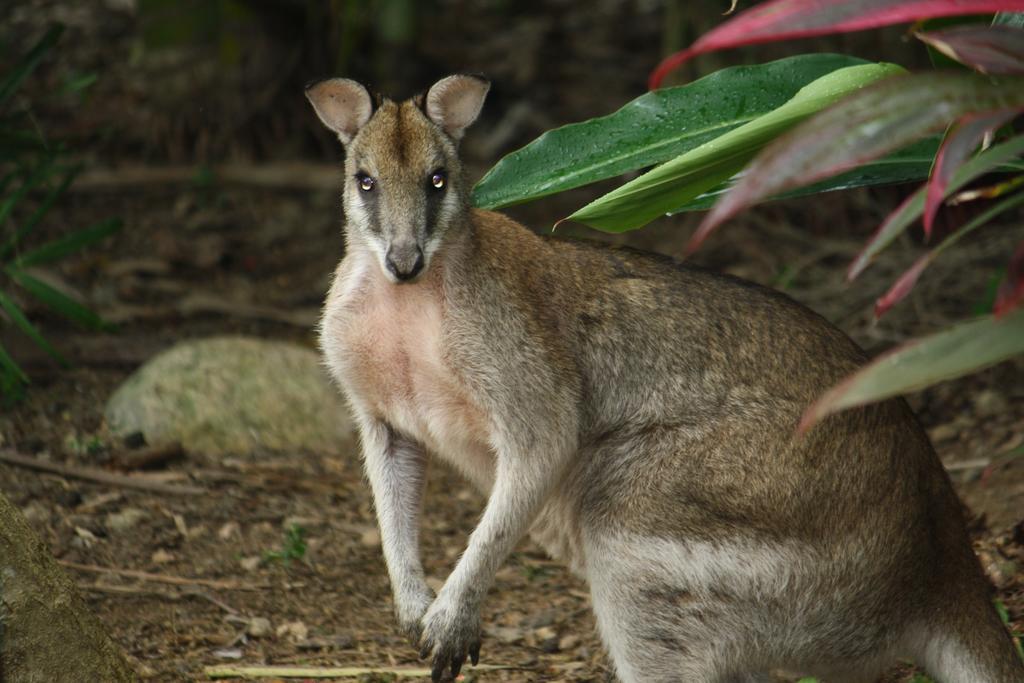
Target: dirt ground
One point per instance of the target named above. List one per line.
(202, 259)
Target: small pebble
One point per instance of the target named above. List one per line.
(250, 564)
(123, 520)
(370, 538)
(259, 627)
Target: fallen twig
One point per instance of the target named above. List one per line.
(139, 482)
(164, 595)
(162, 578)
(201, 303)
(153, 456)
(967, 465)
(255, 672)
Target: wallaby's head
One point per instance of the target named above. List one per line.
(404, 190)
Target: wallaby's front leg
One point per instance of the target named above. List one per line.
(451, 627)
(395, 466)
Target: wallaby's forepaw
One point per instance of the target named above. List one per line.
(451, 633)
(409, 612)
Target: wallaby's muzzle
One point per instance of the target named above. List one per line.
(404, 261)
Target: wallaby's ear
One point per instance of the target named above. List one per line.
(454, 102)
(342, 104)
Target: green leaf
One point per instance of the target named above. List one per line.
(58, 301)
(693, 173)
(20, 321)
(69, 243)
(76, 83)
(868, 124)
(28, 63)
(955, 351)
(913, 206)
(653, 128)
(29, 225)
(1014, 19)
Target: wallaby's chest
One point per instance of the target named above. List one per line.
(386, 345)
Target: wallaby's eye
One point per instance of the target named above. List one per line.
(439, 180)
(366, 183)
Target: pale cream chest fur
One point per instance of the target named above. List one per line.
(384, 344)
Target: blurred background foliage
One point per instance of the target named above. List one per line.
(213, 79)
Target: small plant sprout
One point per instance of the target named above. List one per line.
(293, 547)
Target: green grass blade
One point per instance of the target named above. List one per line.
(28, 63)
(39, 174)
(22, 323)
(51, 198)
(9, 367)
(955, 351)
(68, 244)
(693, 173)
(653, 128)
(58, 301)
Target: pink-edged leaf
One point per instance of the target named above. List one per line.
(960, 142)
(996, 49)
(894, 224)
(868, 124)
(783, 19)
(955, 351)
(1011, 292)
(906, 282)
(998, 155)
(902, 286)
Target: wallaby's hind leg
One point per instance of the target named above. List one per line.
(969, 646)
(963, 641)
(655, 629)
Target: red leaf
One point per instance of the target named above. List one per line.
(783, 19)
(997, 49)
(868, 124)
(959, 143)
(902, 286)
(893, 225)
(906, 282)
(1011, 292)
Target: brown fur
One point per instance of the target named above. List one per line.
(638, 417)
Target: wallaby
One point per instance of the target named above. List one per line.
(638, 418)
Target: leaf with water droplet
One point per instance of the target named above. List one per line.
(651, 129)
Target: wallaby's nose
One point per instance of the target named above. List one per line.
(404, 262)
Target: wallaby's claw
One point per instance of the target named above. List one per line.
(457, 662)
(452, 633)
(438, 670)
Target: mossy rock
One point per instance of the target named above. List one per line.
(234, 395)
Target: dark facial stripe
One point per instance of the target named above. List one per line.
(434, 199)
(371, 202)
